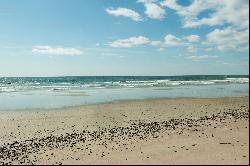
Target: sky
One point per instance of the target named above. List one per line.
(123, 37)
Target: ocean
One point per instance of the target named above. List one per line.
(46, 92)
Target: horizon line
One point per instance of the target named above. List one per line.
(130, 75)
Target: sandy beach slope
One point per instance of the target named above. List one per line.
(152, 131)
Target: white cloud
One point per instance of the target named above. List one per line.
(171, 40)
(199, 58)
(125, 13)
(153, 10)
(130, 42)
(56, 50)
(156, 43)
(234, 12)
(193, 38)
(228, 39)
(172, 4)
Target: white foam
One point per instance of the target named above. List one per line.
(7, 89)
(239, 80)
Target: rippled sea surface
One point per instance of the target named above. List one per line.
(46, 92)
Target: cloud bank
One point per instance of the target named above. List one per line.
(220, 12)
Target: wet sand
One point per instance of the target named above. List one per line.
(152, 131)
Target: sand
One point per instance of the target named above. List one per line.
(152, 131)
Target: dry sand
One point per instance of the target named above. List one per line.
(153, 131)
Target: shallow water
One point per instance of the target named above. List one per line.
(52, 99)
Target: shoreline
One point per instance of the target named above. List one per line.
(159, 131)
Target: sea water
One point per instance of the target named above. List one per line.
(52, 92)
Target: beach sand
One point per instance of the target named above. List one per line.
(151, 131)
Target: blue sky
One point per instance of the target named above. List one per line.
(123, 37)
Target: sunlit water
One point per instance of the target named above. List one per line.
(27, 93)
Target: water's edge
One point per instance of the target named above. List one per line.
(76, 107)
